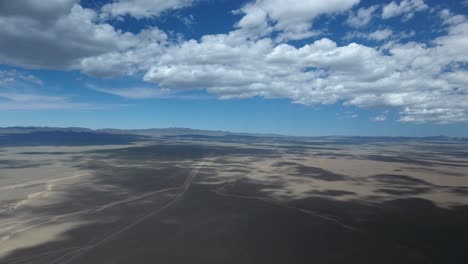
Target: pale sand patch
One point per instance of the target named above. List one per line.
(357, 173)
(364, 168)
(23, 190)
(36, 236)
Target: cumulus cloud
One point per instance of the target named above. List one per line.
(407, 76)
(146, 48)
(435, 115)
(421, 82)
(451, 19)
(377, 35)
(380, 34)
(362, 16)
(407, 8)
(36, 34)
(142, 8)
(292, 19)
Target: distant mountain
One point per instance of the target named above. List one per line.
(178, 131)
(162, 131)
(17, 129)
(172, 131)
(69, 137)
(77, 136)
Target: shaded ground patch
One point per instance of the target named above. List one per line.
(20, 164)
(319, 173)
(168, 152)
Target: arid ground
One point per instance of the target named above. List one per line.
(235, 199)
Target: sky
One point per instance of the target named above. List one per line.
(296, 67)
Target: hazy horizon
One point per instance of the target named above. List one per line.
(233, 132)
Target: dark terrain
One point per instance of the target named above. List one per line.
(239, 199)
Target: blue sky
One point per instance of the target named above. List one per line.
(336, 67)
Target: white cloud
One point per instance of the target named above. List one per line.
(146, 49)
(449, 18)
(133, 92)
(408, 76)
(16, 78)
(362, 17)
(380, 118)
(34, 38)
(142, 8)
(434, 115)
(293, 19)
(33, 101)
(454, 45)
(347, 115)
(188, 21)
(377, 35)
(136, 93)
(423, 83)
(380, 34)
(28, 97)
(406, 7)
